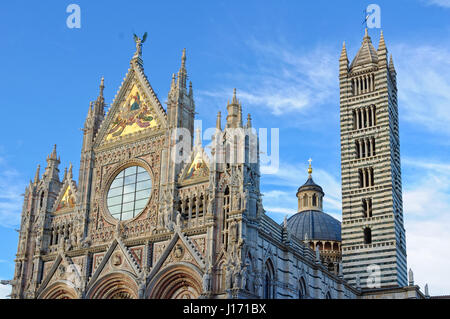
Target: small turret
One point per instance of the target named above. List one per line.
(52, 171)
(234, 117)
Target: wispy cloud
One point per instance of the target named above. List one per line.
(427, 216)
(10, 199)
(5, 290)
(285, 80)
(280, 197)
(439, 3)
(424, 85)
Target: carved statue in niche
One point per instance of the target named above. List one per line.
(237, 278)
(207, 280)
(243, 274)
(233, 231)
(244, 200)
(210, 206)
(179, 219)
(228, 277)
(235, 202)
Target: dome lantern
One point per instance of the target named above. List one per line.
(310, 195)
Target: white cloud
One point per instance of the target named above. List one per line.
(427, 217)
(427, 242)
(10, 199)
(5, 290)
(424, 87)
(440, 3)
(290, 177)
(285, 80)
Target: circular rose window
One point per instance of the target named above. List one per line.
(129, 193)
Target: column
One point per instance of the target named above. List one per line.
(364, 177)
(357, 119)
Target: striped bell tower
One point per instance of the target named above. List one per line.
(373, 236)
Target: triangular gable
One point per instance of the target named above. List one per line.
(66, 200)
(135, 110)
(118, 257)
(63, 269)
(180, 248)
(197, 169)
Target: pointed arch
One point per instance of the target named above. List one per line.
(268, 280)
(302, 289)
(119, 285)
(177, 281)
(59, 290)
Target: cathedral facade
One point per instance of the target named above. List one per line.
(154, 216)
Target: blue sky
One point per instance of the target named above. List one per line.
(282, 56)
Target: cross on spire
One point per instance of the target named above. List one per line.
(310, 168)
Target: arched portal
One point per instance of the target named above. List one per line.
(114, 286)
(59, 291)
(176, 282)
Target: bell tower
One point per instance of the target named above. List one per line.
(373, 236)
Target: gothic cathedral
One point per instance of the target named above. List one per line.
(154, 216)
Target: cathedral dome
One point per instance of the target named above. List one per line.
(314, 225)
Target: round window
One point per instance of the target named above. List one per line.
(129, 193)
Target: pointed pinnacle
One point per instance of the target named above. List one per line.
(36, 176)
(70, 171)
(234, 100)
(53, 154)
(102, 85)
(382, 44)
(183, 58)
(343, 52)
(219, 121)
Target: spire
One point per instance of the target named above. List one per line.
(382, 44)
(249, 120)
(70, 174)
(51, 171)
(182, 73)
(234, 100)
(366, 35)
(173, 84)
(183, 59)
(343, 53)
(53, 155)
(99, 105)
(36, 176)
(102, 86)
(391, 66)
(234, 117)
(382, 51)
(65, 174)
(219, 121)
(366, 54)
